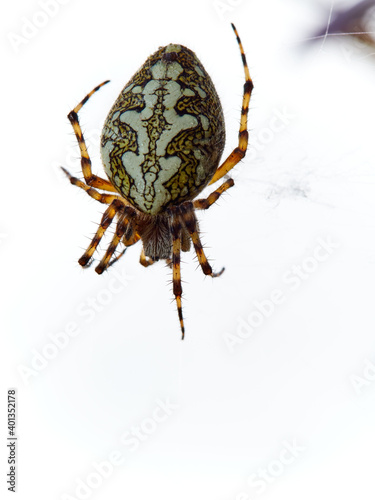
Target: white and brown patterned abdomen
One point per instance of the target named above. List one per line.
(164, 136)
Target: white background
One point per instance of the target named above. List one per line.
(304, 376)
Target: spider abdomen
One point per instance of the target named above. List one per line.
(164, 136)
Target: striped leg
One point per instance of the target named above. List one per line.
(145, 261)
(115, 259)
(90, 178)
(204, 204)
(176, 266)
(239, 152)
(124, 227)
(103, 198)
(191, 224)
(108, 216)
(127, 242)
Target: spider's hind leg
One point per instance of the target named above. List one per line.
(128, 235)
(108, 216)
(145, 261)
(176, 229)
(124, 228)
(190, 222)
(118, 257)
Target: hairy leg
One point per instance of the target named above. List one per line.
(176, 267)
(239, 152)
(190, 221)
(124, 227)
(90, 178)
(103, 198)
(115, 207)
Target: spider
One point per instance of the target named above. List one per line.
(161, 145)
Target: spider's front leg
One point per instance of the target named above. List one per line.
(90, 178)
(239, 152)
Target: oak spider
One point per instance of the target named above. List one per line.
(161, 145)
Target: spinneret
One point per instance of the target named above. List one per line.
(161, 145)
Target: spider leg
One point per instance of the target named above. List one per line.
(124, 227)
(176, 267)
(118, 257)
(134, 237)
(191, 224)
(90, 178)
(127, 242)
(107, 218)
(205, 203)
(103, 198)
(239, 152)
(145, 261)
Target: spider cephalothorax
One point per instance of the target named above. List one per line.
(161, 145)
